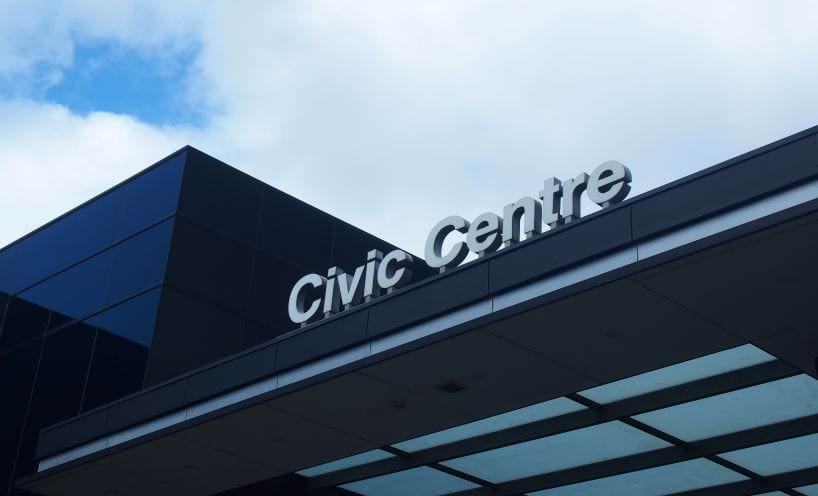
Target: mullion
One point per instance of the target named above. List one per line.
(664, 456)
(670, 439)
(702, 388)
(778, 482)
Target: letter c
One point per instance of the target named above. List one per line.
(434, 243)
(393, 272)
(298, 296)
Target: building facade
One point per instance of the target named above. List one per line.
(664, 345)
(167, 272)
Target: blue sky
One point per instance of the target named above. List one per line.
(113, 77)
(392, 115)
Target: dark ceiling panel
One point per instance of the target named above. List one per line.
(275, 438)
(615, 331)
(485, 366)
(755, 290)
(369, 409)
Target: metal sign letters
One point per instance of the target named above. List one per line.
(559, 203)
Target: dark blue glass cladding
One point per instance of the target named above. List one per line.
(17, 371)
(39, 256)
(190, 333)
(139, 262)
(117, 370)
(74, 293)
(24, 321)
(210, 266)
(90, 228)
(132, 266)
(152, 196)
(132, 320)
(218, 196)
(269, 290)
(67, 241)
(140, 202)
(78, 306)
(180, 266)
(58, 387)
(9, 266)
(124, 337)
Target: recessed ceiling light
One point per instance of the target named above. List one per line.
(451, 387)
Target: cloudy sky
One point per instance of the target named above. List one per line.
(392, 115)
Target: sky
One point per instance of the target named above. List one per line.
(392, 115)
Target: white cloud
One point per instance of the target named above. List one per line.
(393, 115)
(52, 160)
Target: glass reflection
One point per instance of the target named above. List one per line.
(521, 416)
(574, 448)
(152, 196)
(74, 293)
(768, 403)
(681, 373)
(667, 479)
(350, 461)
(776, 458)
(140, 261)
(421, 481)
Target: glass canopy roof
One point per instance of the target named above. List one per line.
(738, 420)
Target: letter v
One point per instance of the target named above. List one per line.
(350, 287)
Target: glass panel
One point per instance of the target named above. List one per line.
(58, 388)
(133, 320)
(415, 482)
(579, 447)
(221, 197)
(76, 236)
(72, 238)
(17, 371)
(270, 284)
(210, 266)
(24, 321)
(506, 420)
(152, 196)
(811, 490)
(350, 461)
(38, 255)
(776, 458)
(684, 476)
(75, 293)
(139, 262)
(9, 265)
(90, 229)
(183, 320)
(117, 369)
(255, 333)
(681, 373)
(755, 406)
(313, 228)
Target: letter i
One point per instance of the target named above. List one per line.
(332, 297)
(371, 288)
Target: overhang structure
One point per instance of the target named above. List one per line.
(666, 345)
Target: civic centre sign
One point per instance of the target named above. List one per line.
(559, 203)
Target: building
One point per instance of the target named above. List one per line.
(663, 345)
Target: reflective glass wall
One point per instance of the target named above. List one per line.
(78, 301)
(184, 264)
(239, 245)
